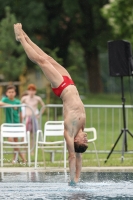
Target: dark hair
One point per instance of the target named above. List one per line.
(80, 148)
(10, 87)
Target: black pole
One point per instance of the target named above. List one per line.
(124, 130)
(124, 117)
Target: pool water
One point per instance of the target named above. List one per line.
(54, 185)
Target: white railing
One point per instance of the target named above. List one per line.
(107, 119)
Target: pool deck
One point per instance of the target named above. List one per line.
(53, 169)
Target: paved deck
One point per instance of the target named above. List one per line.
(52, 169)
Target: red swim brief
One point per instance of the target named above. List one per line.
(67, 81)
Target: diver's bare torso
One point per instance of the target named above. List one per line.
(73, 110)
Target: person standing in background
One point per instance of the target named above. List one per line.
(12, 114)
(32, 100)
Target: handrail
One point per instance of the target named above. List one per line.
(107, 119)
(85, 105)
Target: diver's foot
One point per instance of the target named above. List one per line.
(18, 31)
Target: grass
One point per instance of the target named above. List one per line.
(89, 159)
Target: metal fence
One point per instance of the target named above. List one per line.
(107, 119)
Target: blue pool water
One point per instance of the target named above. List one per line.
(53, 185)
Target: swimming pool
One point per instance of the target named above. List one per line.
(54, 185)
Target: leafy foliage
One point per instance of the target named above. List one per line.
(12, 58)
(57, 24)
(119, 15)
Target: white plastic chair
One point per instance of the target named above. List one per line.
(51, 128)
(17, 130)
(93, 130)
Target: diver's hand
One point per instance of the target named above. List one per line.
(72, 183)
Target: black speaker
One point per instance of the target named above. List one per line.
(120, 58)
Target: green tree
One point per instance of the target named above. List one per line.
(12, 57)
(79, 21)
(119, 15)
(57, 24)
